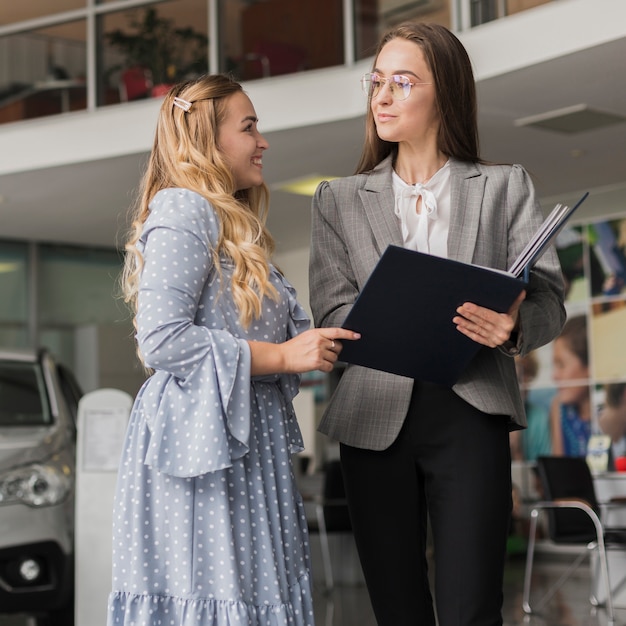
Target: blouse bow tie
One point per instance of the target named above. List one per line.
(415, 225)
(429, 203)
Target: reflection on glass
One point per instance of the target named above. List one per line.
(13, 12)
(483, 11)
(50, 77)
(516, 6)
(14, 290)
(61, 342)
(78, 286)
(373, 17)
(147, 49)
(261, 39)
(13, 264)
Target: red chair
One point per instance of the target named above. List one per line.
(135, 83)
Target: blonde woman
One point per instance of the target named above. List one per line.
(208, 524)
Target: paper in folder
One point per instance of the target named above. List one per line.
(546, 233)
(404, 312)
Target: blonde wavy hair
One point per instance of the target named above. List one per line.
(186, 154)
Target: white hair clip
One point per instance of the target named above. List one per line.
(185, 105)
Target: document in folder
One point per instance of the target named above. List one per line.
(544, 236)
(404, 314)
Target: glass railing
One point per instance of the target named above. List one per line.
(91, 56)
(274, 37)
(80, 55)
(48, 75)
(372, 18)
(482, 11)
(14, 303)
(143, 51)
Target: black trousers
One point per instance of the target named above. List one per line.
(450, 463)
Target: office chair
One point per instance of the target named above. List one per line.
(331, 515)
(574, 519)
(135, 83)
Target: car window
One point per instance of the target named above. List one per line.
(23, 400)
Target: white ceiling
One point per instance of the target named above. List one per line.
(85, 203)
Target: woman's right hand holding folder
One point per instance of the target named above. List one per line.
(488, 327)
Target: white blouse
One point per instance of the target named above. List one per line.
(426, 231)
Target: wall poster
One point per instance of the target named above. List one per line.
(575, 387)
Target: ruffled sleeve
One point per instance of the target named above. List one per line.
(201, 423)
(197, 404)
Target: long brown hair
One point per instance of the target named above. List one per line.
(455, 91)
(186, 154)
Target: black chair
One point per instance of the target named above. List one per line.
(331, 514)
(574, 519)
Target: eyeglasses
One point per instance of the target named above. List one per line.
(399, 85)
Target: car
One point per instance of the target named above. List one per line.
(38, 411)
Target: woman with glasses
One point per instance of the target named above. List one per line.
(414, 451)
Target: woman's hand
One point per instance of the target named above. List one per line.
(486, 326)
(314, 349)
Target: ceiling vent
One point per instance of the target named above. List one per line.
(575, 119)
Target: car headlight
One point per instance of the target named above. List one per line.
(36, 485)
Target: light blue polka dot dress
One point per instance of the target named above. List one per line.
(208, 526)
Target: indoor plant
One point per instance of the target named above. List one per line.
(154, 43)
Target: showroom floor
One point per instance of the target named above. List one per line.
(348, 604)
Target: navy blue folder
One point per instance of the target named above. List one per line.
(404, 314)
(404, 311)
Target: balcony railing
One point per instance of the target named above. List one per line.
(120, 50)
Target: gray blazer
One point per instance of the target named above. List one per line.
(494, 214)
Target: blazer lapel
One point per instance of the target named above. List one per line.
(378, 201)
(467, 186)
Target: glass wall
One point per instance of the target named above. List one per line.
(13, 12)
(50, 291)
(14, 320)
(76, 287)
(373, 17)
(261, 39)
(137, 53)
(69, 55)
(144, 50)
(516, 6)
(47, 72)
(482, 11)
